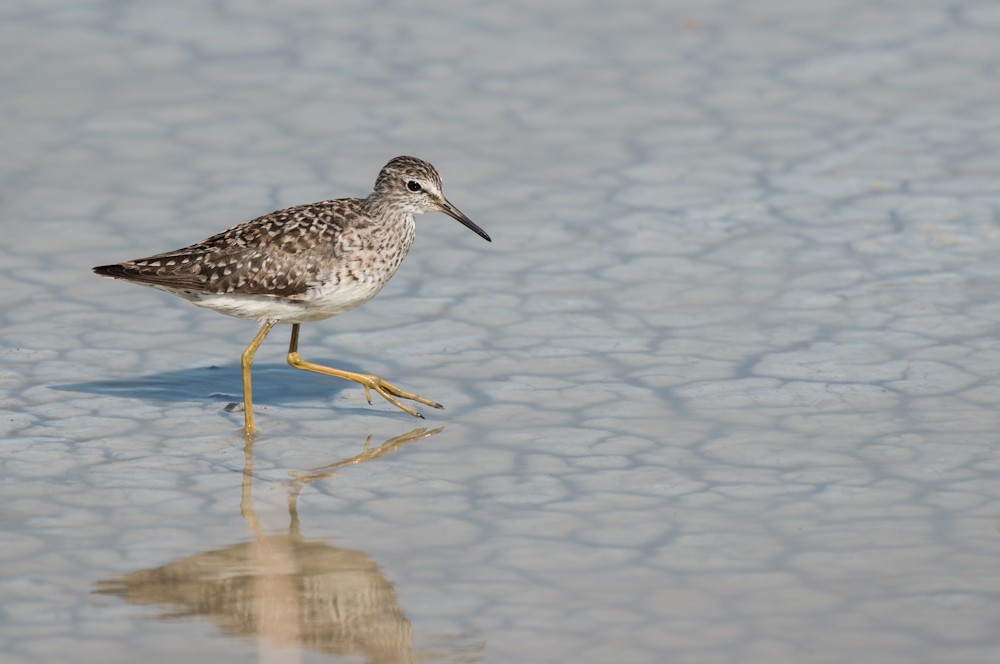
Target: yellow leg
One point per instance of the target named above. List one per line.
(387, 390)
(247, 361)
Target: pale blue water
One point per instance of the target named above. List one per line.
(723, 388)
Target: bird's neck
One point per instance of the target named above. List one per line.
(378, 206)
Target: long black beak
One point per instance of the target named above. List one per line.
(453, 212)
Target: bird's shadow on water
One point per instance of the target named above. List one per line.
(273, 384)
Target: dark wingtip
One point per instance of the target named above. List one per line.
(114, 271)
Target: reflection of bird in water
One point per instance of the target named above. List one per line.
(291, 592)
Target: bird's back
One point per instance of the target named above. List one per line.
(282, 254)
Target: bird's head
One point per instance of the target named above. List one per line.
(414, 186)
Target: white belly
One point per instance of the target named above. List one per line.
(319, 303)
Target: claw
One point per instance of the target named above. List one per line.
(381, 389)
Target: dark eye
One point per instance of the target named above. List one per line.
(413, 186)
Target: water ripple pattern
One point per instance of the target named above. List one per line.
(724, 387)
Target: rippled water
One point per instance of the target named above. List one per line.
(723, 388)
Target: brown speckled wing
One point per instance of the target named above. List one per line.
(280, 254)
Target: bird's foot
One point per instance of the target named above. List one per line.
(389, 392)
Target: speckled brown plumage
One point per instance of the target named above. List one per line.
(304, 263)
(278, 254)
(317, 252)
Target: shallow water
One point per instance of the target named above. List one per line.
(723, 388)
